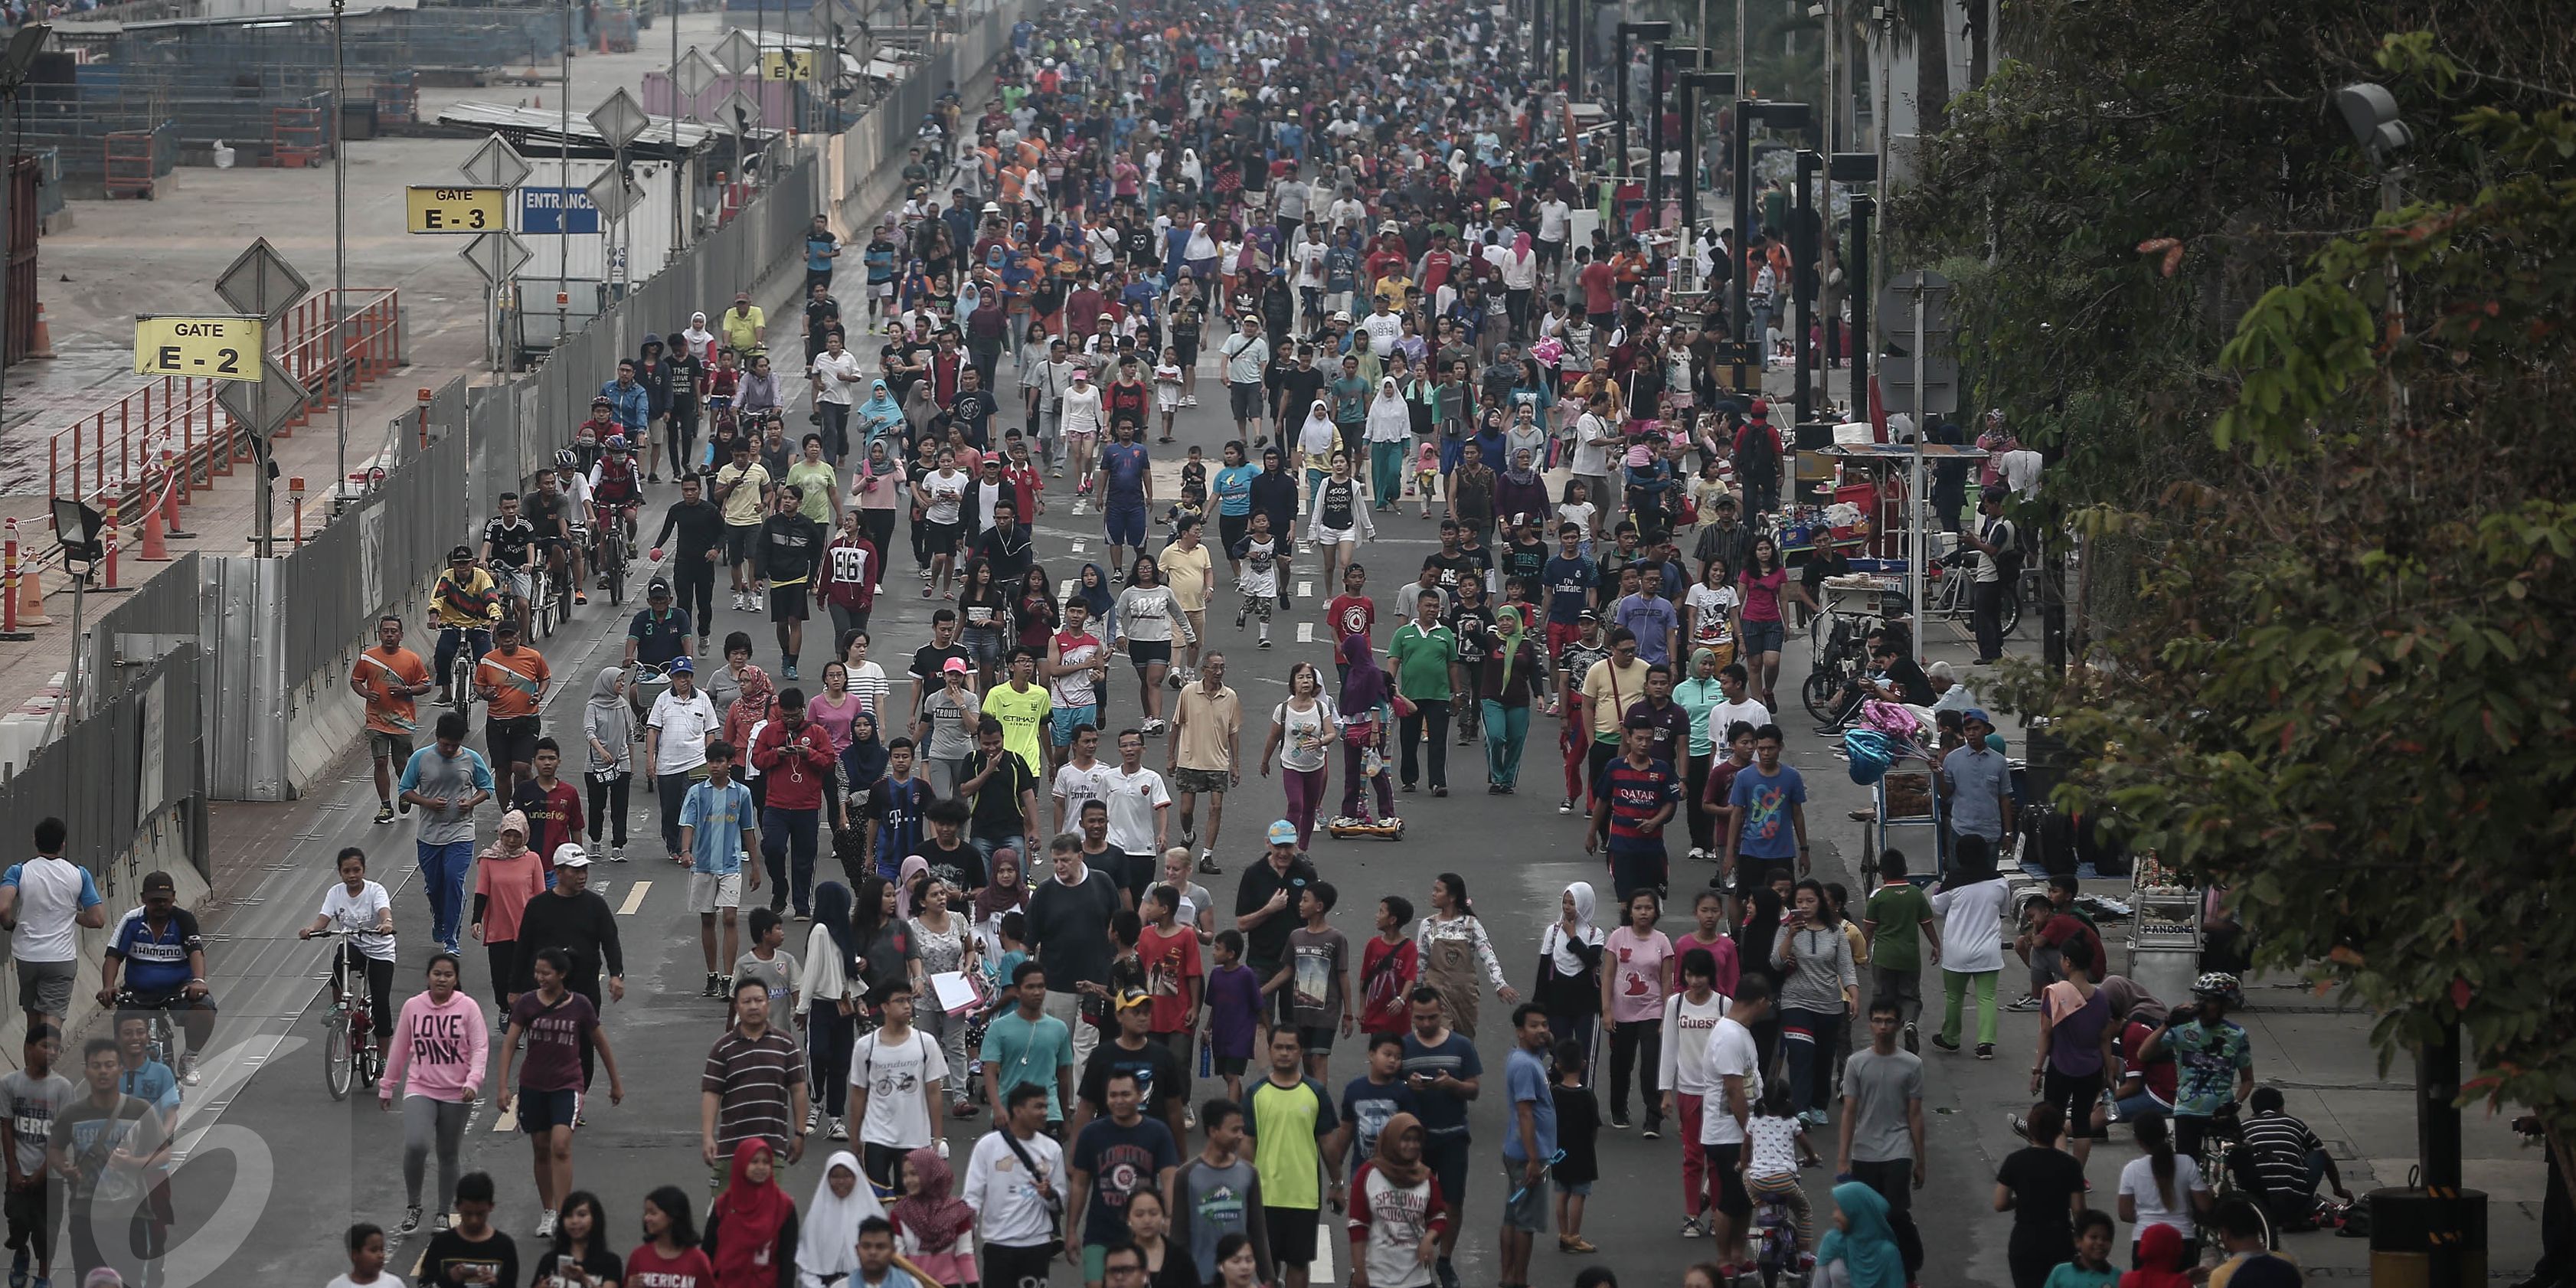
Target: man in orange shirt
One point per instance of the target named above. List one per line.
(389, 677)
(512, 679)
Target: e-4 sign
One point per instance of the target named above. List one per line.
(465, 211)
(213, 348)
(787, 65)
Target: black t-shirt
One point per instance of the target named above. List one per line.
(1267, 943)
(997, 803)
(927, 661)
(544, 512)
(2044, 1182)
(1470, 623)
(597, 1262)
(1156, 1067)
(961, 868)
(1907, 678)
(454, 1261)
(1452, 568)
(509, 541)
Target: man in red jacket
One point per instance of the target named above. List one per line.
(794, 756)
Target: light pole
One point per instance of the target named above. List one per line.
(1689, 86)
(1680, 57)
(339, 256)
(1857, 168)
(1647, 31)
(1786, 116)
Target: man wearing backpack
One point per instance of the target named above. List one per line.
(1757, 461)
(1998, 548)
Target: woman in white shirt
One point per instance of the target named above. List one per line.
(1080, 423)
(1971, 906)
(2163, 1188)
(1301, 732)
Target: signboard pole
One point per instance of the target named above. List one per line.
(563, 182)
(1915, 509)
(339, 311)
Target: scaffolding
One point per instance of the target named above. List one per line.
(297, 137)
(127, 163)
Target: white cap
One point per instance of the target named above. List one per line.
(571, 855)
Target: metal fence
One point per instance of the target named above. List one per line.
(134, 765)
(136, 630)
(374, 559)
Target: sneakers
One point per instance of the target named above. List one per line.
(1654, 1129)
(715, 985)
(546, 1224)
(617, 854)
(791, 670)
(384, 815)
(2025, 1002)
(1565, 806)
(1699, 853)
(1208, 865)
(840, 1130)
(1265, 641)
(1814, 1118)
(1445, 1272)
(1985, 1050)
(188, 1069)
(1913, 1041)
(1692, 1229)
(813, 1117)
(2019, 1127)
(410, 1221)
(1619, 1119)
(1945, 1042)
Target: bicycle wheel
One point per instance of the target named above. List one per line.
(1817, 691)
(462, 681)
(2010, 609)
(339, 1063)
(612, 557)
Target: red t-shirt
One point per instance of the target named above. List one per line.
(1597, 281)
(645, 1268)
(1170, 962)
(1351, 615)
(1387, 973)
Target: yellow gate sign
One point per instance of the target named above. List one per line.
(787, 65)
(214, 348)
(459, 210)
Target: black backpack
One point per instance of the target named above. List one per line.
(1757, 458)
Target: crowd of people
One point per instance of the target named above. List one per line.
(1377, 232)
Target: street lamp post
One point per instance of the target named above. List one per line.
(1786, 116)
(1648, 31)
(337, 372)
(1688, 87)
(1680, 58)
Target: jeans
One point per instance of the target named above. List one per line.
(674, 791)
(431, 1123)
(1430, 716)
(828, 1038)
(1954, 988)
(1905, 987)
(1894, 1181)
(477, 642)
(1628, 1040)
(1986, 618)
(608, 806)
(1808, 1037)
(442, 872)
(1506, 729)
(788, 835)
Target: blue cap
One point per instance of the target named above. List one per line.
(1977, 714)
(1283, 832)
(682, 666)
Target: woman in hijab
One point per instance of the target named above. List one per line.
(827, 1241)
(1317, 439)
(920, 408)
(1509, 679)
(1004, 892)
(828, 995)
(1519, 489)
(931, 1224)
(880, 415)
(1092, 588)
(1363, 715)
(1200, 252)
(1569, 967)
(1390, 436)
(701, 341)
(756, 702)
(506, 875)
(2160, 1260)
(2136, 1015)
(608, 725)
(1753, 943)
(1395, 1180)
(751, 1227)
(913, 865)
(1193, 176)
(1520, 278)
(1860, 1251)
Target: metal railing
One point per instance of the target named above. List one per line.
(122, 771)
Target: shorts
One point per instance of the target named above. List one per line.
(1125, 525)
(1579, 1189)
(939, 538)
(1145, 653)
(2076, 1094)
(1317, 1039)
(1732, 1199)
(1229, 1066)
(709, 891)
(1763, 637)
(543, 1111)
(738, 539)
(517, 583)
(1140, 873)
(1247, 406)
(1292, 1233)
(1524, 1205)
(394, 746)
(1328, 537)
(1201, 780)
(512, 740)
(1064, 720)
(882, 290)
(47, 986)
(1187, 347)
(1446, 1155)
(790, 603)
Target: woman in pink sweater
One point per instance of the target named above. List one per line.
(439, 1051)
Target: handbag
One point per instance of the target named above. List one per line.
(1047, 1197)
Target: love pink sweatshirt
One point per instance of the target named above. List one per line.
(443, 1048)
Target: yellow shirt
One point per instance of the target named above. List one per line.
(742, 506)
(1022, 715)
(1185, 571)
(742, 330)
(1608, 692)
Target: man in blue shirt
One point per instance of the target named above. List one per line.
(163, 959)
(1530, 1144)
(138, 1074)
(1443, 1071)
(1570, 581)
(1232, 489)
(1649, 617)
(821, 248)
(715, 827)
(1128, 490)
(627, 401)
(1769, 828)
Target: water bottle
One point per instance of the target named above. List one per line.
(1207, 1057)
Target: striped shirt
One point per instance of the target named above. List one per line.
(2279, 1146)
(751, 1079)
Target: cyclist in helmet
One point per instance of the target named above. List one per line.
(616, 486)
(550, 511)
(2214, 1057)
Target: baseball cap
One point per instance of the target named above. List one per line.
(1130, 998)
(957, 664)
(682, 666)
(1590, 616)
(459, 552)
(1977, 714)
(657, 586)
(1283, 832)
(571, 855)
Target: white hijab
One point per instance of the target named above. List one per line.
(827, 1240)
(1317, 436)
(1201, 246)
(702, 341)
(1557, 946)
(1389, 420)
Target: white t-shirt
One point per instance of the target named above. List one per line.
(685, 724)
(1774, 1145)
(1972, 926)
(894, 1074)
(1552, 217)
(52, 893)
(1726, 715)
(2138, 1181)
(1590, 457)
(1710, 608)
(1684, 1063)
(1133, 798)
(1730, 1053)
(1310, 264)
(945, 488)
(1383, 330)
(359, 913)
(1306, 735)
(1073, 785)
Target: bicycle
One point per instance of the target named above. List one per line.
(1952, 595)
(459, 680)
(349, 1051)
(1841, 650)
(1776, 1257)
(2218, 1143)
(546, 601)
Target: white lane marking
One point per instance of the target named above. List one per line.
(1305, 589)
(1078, 547)
(1322, 1270)
(634, 898)
(1305, 632)
(508, 1119)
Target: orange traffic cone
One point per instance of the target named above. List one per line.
(31, 597)
(44, 341)
(156, 545)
